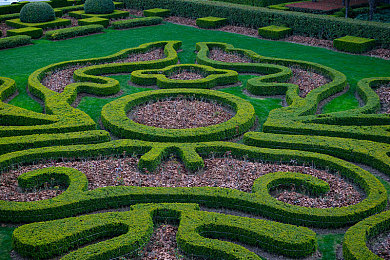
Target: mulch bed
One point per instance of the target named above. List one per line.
(384, 95)
(180, 114)
(380, 245)
(59, 79)
(218, 172)
(325, 5)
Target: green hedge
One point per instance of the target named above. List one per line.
(58, 22)
(212, 77)
(33, 32)
(66, 33)
(353, 44)
(210, 22)
(157, 12)
(114, 117)
(274, 32)
(129, 231)
(10, 9)
(76, 202)
(17, 143)
(144, 21)
(94, 20)
(37, 12)
(114, 15)
(71, 8)
(5, 17)
(254, 17)
(14, 41)
(356, 237)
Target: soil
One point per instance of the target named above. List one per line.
(380, 245)
(224, 172)
(180, 114)
(383, 93)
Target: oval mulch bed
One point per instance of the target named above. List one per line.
(383, 93)
(180, 114)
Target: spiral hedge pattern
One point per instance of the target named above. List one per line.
(295, 133)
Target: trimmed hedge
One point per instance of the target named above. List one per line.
(66, 33)
(116, 14)
(5, 17)
(130, 231)
(10, 9)
(33, 32)
(37, 12)
(259, 202)
(114, 117)
(58, 22)
(14, 41)
(144, 21)
(157, 12)
(18, 143)
(212, 77)
(319, 26)
(94, 20)
(274, 32)
(99, 6)
(356, 237)
(210, 22)
(353, 44)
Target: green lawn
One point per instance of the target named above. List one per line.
(18, 63)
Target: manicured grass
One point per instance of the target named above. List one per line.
(5, 242)
(327, 245)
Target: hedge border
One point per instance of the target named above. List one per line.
(213, 77)
(255, 203)
(210, 22)
(94, 20)
(58, 22)
(134, 228)
(14, 41)
(114, 15)
(33, 32)
(136, 22)
(320, 26)
(66, 33)
(114, 117)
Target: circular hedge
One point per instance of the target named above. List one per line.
(99, 6)
(37, 12)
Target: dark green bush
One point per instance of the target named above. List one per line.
(14, 41)
(144, 21)
(99, 7)
(30, 31)
(37, 12)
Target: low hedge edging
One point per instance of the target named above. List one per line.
(14, 41)
(136, 22)
(66, 33)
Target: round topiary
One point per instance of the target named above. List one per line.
(99, 6)
(37, 12)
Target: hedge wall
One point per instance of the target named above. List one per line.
(254, 17)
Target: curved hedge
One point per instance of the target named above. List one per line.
(114, 117)
(212, 77)
(73, 203)
(356, 237)
(129, 231)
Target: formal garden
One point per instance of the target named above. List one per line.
(193, 129)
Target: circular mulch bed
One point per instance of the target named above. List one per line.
(218, 172)
(57, 80)
(383, 93)
(180, 114)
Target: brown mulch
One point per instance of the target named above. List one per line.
(181, 20)
(325, 5)
(383, 93)
(380, 245)
(59, 79)
(3, 29)
(382, 53)
(309, 41)
(218, 172)
(186, 75)
(307, 80)
(162, 245)
(220, 55)
(180, 114)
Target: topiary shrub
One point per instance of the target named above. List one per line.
(99, 6)
(37, 12)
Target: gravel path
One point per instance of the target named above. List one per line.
(180, 114)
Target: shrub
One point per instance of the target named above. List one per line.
(144, 21)
(353, 44)
(94, 20)
(274, 32)
(157, 12)
(6, 17)
(30, 31)
(210, 22)
(37, 12)
(58, 22)
(66, 33)
(14, 41)
(99, 7)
